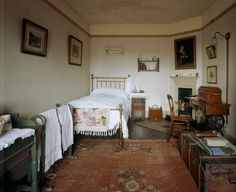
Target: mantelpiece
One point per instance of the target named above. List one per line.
(185, 82)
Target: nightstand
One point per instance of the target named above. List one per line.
(138, 105)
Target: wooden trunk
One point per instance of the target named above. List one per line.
(186, 143)
(210, 95)
(219, 175)
(211, 173)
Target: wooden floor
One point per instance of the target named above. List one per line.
(135, 132)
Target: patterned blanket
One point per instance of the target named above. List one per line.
(91, 120)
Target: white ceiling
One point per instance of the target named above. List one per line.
(138, 11)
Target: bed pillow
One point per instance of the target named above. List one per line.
(109, 91)
(5, 123)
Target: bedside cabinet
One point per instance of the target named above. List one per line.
(138, 106)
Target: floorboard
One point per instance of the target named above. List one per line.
(135, 132)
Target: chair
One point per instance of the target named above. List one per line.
(175, 119)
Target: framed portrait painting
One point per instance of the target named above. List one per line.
(75, 51)
(212, 74)
(34, 38)
(185, 53)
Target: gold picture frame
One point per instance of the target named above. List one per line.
(34, 38)
(185, 53)
(75, 51)
(212, 74)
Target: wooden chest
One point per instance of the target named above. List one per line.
(211, 95)
(186, 146)
(211, 173)
(219, 174)
(195, 157)
(155, 113)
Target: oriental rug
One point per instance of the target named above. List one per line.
(142, 166)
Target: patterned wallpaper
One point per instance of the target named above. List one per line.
(34, 84)
(1, 55)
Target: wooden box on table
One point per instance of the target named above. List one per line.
(208, 94)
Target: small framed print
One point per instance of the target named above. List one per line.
(75, 51)
(211, 53)
(212, 74)
(34, 38)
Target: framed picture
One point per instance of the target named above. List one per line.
(34, 38)
(211, 53)
(212, 74)
(75, 51)
(185, 53)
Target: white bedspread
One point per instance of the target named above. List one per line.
(110, 100)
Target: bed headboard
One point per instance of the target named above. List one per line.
(108, 82)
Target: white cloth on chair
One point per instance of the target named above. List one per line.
(65, 118)
(9, 137)
(53, 150)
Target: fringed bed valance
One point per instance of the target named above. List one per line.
(98, 133)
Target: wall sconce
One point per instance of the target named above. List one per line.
(210, 48)
(115, 51)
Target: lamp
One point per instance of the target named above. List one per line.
(214, 43)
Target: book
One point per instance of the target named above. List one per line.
(216, 151)
(205, 133)
(215, 141)
(228, 149)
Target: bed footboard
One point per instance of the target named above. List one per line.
(40, 122)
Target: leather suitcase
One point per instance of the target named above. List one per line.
(208, 94)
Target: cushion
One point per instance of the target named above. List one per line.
(5, 123)
(1, 126)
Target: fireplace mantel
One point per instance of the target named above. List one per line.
(185, 82)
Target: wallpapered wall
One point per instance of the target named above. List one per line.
(158, 84)
(223, 25)
(1, 54)
(155, 84)
(33, 84)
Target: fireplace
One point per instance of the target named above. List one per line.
(184, 82)
(184, 93)
(183, 98)
(184, 87)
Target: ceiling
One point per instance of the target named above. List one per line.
(138, 11)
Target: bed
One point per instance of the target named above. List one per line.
(109, 104)
(105, 110)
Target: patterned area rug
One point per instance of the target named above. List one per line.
(142, 166)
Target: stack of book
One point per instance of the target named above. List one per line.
(213, 143)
